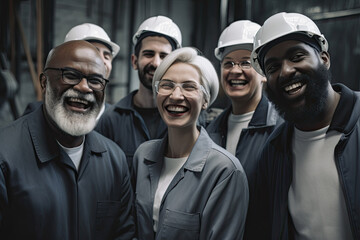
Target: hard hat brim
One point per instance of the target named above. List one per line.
(114, 47)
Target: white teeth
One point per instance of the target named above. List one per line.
(79, 100)
(293, 86)
(176, 108)
(237, 81)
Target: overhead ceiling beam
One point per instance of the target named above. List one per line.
(335, 14)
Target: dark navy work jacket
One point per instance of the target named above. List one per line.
(43, 195)
(268, 216)
(125, 126)
(252, 138)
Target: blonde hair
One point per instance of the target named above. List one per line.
(189, 55)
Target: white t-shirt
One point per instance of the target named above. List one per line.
(235, 125)
(75, 153)
(170, 167)
(316, 200)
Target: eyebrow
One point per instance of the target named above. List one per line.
(186, 81)
(153, 52)
(242, 59)
(287, 53)
(106, 52)
(147, 51)
(90, 75)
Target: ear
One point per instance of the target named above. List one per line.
(134, 61)
(263, 79)
(325, 57)
(205, 105)
(43, 81)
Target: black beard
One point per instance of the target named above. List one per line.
(142, 76)
(316, 94)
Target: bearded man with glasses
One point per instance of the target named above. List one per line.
(59, 179)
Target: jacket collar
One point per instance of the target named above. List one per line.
(261, 117)
(45, 143)
(197, 157)
(127, 102)
(345, 116)
(200, 152)
(347, 111)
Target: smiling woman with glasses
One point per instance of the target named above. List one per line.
(187, 187)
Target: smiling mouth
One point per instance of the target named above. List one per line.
(78, 103)
(293, 87)
(235, 83)
(176, 109)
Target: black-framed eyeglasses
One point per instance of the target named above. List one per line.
(230, 64)
(73, 77)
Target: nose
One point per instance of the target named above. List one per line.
(83, 86)
(156, 60)
(236, 68)
(287, 69)
(177, 93)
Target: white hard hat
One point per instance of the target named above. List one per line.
(238, 35)
(89, 31)
(282, 24)
(161, 25)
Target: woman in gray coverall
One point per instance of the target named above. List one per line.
(187, 187)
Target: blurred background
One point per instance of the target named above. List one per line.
(30, 28)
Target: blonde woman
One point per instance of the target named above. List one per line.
(187, 187)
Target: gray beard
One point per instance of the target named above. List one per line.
(72, 123)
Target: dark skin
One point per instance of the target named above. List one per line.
(287, 60)
(79, 55)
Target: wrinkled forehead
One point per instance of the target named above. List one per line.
(80, 55)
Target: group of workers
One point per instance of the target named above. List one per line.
(281, 162)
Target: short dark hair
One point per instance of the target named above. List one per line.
(152, 34)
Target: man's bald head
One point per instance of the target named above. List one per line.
(76, 53)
